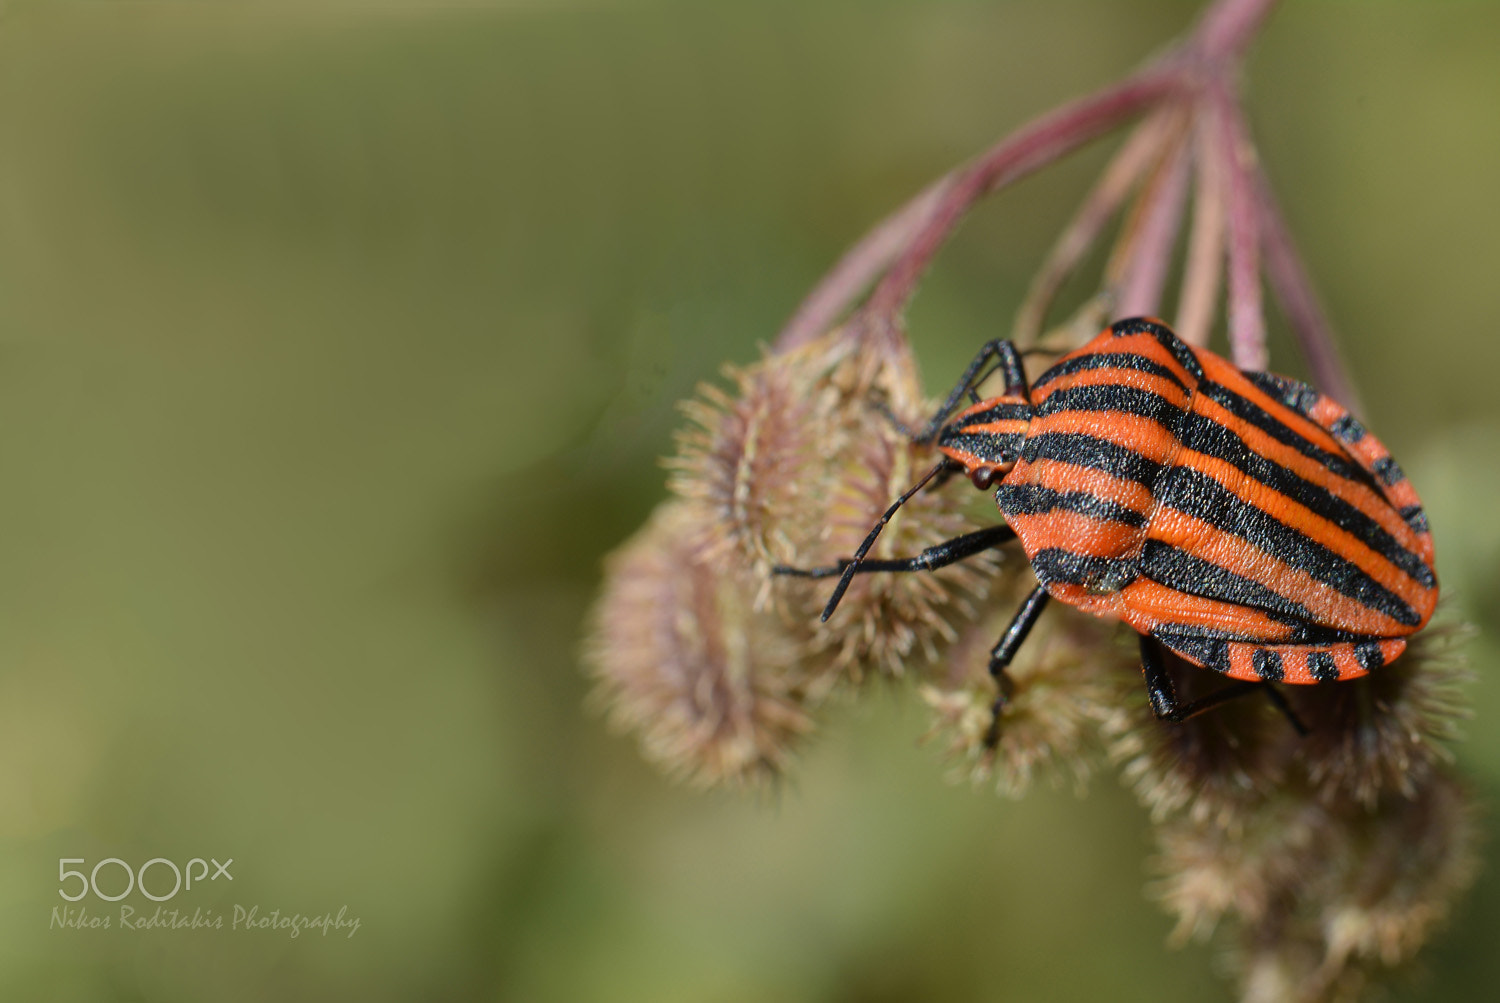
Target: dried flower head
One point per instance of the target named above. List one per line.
(1217, 767)
(792, 468)
(1070, 688)
(1387, 731)
(1321, 899)
(754, 457)
(682, 656)
(1208, 873)
(1406, 863)
(1285, 968)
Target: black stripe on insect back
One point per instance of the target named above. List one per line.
(1348, 429)
(1113, 398)
(1267, 665)
(1207, 436)
(1107, 360)
(1196, 494)
(1184, 572)
(1370, 656)
(1415, 518)
(1388, 471)
(1300, 633)
(1000, 412)
(1089, 451)
(1034, 499)
(1209, 651)
(1164, 336)
(1263, 421)
(987, 447)
(1055, 566)
(1322, 667)
(1293, 393)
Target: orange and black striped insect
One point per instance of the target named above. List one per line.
(1241, 520)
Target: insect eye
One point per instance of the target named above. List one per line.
(983, 477)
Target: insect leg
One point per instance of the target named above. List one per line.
(852, 567)
(1015, 382)
(939, 555)
(1279, 700)
(1163, 695)
(1005, 650)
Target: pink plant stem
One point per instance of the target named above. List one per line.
(1228, 27)
(859, 267)
(1135, 156)
(1204, 268)
(903, 246)
(1150, 254)
(1035, 145)
(1247, 321)
(1294, 291)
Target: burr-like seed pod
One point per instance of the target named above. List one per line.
(682, 656)
(1408, 860)
(1067, 685)
(1218, 767)
(794, 467)
(755, 457)
(1386, 732)
(1208, 874)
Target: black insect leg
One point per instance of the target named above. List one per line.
(1005, 650)
(1163, 695)
(966, 386)
(858, 559)
(938, 555)
(1279, 701)
(1009, 363)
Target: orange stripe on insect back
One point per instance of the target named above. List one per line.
(1150, 604)
(1325, 605)
(1059, 475)
(1076, 533)
(1404, 496)
(1007, 427)
(1356, 493)
(1327, 411)
(1146, 346)
(1370, 452)
(1242, 662)
(1221, 371)
(978, 407)
(1314, 527)
(1118, 376)
(963, 457)
(1138, 434)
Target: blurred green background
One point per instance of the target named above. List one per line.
(340, 342)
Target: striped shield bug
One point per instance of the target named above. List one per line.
(1241, 520)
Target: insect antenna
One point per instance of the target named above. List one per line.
(864, 548)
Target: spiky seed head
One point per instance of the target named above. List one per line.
(1065, 690)
(682, 657)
